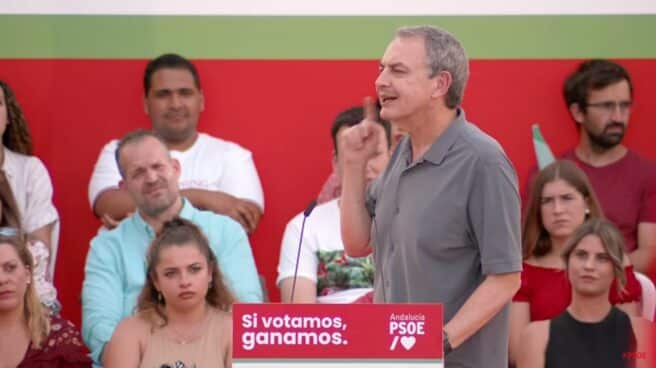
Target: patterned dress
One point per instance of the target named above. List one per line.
(62, 348)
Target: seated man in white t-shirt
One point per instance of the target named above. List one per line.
(325, 273)
(217, 175)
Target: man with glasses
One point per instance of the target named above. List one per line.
(599, 95)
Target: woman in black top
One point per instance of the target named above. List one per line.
(591, 332)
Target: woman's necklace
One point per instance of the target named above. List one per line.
(190, 335)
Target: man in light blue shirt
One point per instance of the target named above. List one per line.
(115, 269)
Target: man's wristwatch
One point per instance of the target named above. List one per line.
(446, 345)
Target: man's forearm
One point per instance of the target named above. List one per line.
(641, 259)
(215, 201)
(355, 220)
(643, 256)
(116, 203)
(200, 199)
(486, 301)
(244, 211)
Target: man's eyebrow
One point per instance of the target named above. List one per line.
(392, 65)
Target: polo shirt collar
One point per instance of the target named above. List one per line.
(186, 212)
(438, 150)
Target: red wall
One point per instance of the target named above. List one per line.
(281, 111)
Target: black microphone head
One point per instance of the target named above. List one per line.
(310, 208)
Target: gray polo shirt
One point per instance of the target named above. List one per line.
(441, 224)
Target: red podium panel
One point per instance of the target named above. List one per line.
(337, 335)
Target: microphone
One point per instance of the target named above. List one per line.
(306, 214)
(309, 209)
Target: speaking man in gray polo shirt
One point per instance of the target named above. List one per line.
(444, 217)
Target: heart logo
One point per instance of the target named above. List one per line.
(408, 342)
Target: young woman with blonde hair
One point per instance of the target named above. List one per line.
(31, 337)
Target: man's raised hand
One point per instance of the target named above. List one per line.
(359, 143)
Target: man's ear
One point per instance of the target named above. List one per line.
(577, 112)
(202, 101)
(176, 166)
(443, 81)
(121, 185)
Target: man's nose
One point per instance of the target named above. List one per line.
(151, 176)
(176, 100)
(619, 113)
(382, 79)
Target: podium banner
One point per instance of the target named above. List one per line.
(337, 335)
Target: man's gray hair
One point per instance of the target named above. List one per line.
(131, 138)
(443, 53)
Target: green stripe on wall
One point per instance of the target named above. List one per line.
(312, 37)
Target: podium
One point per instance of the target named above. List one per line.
(337, 335)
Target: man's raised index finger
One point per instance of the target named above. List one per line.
(369, 107)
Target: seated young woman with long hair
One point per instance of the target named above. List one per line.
(183, 316)
(560, 201)
(30, 336)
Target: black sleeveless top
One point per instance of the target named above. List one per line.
(599, 345)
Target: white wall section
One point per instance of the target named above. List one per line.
(333, 7)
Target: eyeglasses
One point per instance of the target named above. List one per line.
(609, 106)
(9, 232)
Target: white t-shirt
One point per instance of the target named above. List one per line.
(30, 183)
(211, 164)
(321, 236)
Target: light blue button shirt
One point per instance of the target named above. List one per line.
(116, 268)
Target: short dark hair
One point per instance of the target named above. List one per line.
(170, 61)
(133, 137)
(353, 116)
(593, 75)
